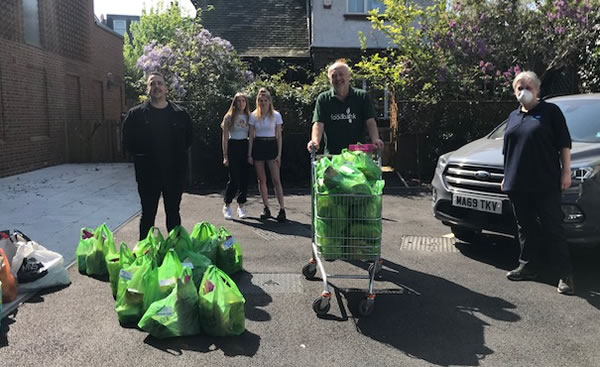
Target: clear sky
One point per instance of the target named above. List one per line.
(134, 7)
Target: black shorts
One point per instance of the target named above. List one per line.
(264, 149)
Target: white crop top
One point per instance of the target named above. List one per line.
(239, 128)
(265, 128)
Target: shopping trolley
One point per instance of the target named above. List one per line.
(344, 227)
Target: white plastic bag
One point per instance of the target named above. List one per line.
(52, 261)
(7, 244)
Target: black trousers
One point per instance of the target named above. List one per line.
(545, 206)
(237, 151)
(150, 192)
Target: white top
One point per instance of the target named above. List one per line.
(265, 128)
(239, 128)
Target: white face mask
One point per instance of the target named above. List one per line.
(525, 96)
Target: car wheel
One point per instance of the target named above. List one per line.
(464, 234)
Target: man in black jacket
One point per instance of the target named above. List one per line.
(158, 134)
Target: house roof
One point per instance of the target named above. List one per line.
(266, 28)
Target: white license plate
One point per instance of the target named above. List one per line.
(477, 203)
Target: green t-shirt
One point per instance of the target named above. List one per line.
(344, 121)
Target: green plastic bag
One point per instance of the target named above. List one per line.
(137, 290)
(175, 315)
(198, 263)
(221, 304)
(364, 163)
(344, 178)
(205, 240)
(86, 240)
(179, 240)
(150, 244)
(364, 241)
(330, 225)
(115, 262)
(95, 261)
(330, 235)
(368, 207)
(229, 254)
(168, 273)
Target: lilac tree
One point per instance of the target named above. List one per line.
(202, 72)
(473, 49)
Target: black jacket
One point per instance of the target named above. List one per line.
(137, 140)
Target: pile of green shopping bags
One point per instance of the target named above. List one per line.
(348, 188)
(173, 286)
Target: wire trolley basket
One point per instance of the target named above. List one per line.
(345, 227)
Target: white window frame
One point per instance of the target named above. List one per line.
(365, 7)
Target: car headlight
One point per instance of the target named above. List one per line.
(572, 213)
(584, 173)
(442, 161)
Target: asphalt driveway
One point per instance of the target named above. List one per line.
(439, 303)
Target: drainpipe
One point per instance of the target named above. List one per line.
(309, 26)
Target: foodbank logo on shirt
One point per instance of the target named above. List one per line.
(343, 116)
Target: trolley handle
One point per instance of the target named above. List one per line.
(366, 148)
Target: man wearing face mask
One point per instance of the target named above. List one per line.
(158, 134)
(537, 166)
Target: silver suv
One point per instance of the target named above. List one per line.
(466, 183)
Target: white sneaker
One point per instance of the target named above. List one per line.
(241, 212)
(227, 212)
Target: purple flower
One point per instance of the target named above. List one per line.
(517, 69)
(482, 49)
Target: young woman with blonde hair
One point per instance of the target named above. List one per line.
(265, 143)
(234, 142)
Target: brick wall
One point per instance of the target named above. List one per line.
(58, 103)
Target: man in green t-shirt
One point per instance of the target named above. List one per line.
(342, 113)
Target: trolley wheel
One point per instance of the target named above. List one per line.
(321, 305)
(309, 271)
(366, 307)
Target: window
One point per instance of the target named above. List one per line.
(120, 26)
(31, 22)
(364, 6)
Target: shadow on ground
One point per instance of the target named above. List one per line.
(428, 317)
(498, 251)
(246, 344)
(503, 253)
(4, 329)
(289, 227)
(256, 297)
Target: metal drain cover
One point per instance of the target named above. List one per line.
(270, 283)
(267, 235)
(428, 244)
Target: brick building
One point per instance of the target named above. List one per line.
(61, 92)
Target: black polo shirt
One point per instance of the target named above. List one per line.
(345, 121)
(532, 144)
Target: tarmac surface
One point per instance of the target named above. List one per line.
(439, 303)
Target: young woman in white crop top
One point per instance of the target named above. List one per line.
(265, 142)
(234, 142)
